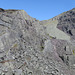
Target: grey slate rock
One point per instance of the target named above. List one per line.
(27, 48)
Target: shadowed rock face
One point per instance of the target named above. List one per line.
(2, 10)
(67, 23)
(32, 47)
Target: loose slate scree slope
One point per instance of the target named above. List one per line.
(32, 47)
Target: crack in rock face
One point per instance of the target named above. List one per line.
(32, 47)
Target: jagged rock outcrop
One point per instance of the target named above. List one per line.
(32, 47)
(67, 23)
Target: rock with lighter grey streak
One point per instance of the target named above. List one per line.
(32, 47)
(48, 46)
(9, 72)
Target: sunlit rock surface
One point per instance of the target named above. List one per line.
(32, 47)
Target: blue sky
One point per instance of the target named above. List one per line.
(39, 9)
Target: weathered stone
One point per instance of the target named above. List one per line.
(32, 47)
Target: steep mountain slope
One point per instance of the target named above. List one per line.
(52, 30)
(32, 47)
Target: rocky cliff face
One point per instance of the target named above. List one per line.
(32, 47)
